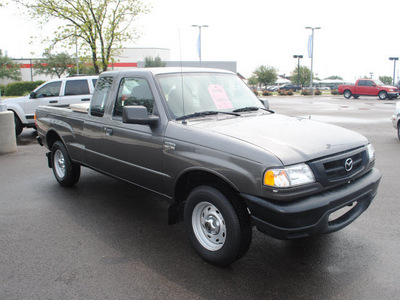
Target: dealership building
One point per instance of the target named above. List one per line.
(127, 58)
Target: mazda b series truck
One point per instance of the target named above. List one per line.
(201, 139)
(369, 87)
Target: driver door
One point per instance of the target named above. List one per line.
(47, 94)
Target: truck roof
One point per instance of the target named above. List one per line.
(169, 70)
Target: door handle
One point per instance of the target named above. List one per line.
(108, 131)
(85, 99)
(53, 101)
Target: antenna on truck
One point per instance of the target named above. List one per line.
(182, 83)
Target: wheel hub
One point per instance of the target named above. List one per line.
(212, 225)
(209, 226)
(61, 163)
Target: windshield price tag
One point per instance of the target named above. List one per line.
(219, 97)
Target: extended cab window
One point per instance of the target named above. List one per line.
(76, 87)
(100, 95)
(51, 89)
(134, 91)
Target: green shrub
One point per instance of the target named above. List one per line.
(317, 92)
(255, 92)
(334, 92)
(266, 93)
(2, 89)
(21, 88)
(305, 92)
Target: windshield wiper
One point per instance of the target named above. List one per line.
(206, 113)
(252, 108)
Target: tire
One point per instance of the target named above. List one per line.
(66, 172)
(218, 228)
(382, 95)
(347, 94)
(398, 131)
(18, 125)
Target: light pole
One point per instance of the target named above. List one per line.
(199, 40)
(298, 67)
(312, 57)
(394, 70)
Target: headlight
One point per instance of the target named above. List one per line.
(289, 176)
(370, 152)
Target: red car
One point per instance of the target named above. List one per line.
(369, 87)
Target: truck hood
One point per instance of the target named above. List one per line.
(390, 86)
(14, 100)
(291, 140)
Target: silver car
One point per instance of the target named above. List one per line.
(396, 119)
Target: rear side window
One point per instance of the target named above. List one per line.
(51, 89)
(100, 95)
(76, 87)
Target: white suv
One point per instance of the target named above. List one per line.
(57, 92)
(396, 119)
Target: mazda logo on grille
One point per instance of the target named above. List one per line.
(348, 165)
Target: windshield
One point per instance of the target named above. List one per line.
(205, 92)
(378, 82)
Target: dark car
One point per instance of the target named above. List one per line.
(288, 87)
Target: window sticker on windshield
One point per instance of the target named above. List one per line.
(219, 96)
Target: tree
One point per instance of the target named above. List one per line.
(9, 69)
(99, 27)
(86, 68)
(53, 64)
(150, 62)
(304, 78)
(386, 79)
(334, 77)
(252, 81)
(266, 75)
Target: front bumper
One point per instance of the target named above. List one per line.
(395, 120)
(311, 215)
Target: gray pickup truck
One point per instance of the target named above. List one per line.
(201, 139)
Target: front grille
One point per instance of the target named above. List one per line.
(331, 170)
(337, 169)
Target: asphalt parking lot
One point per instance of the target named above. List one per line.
(104, 239)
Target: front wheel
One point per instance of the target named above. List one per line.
(347, 94)
(18, 125)
(398, 131)
(382, 95)
(218, 228)
(66, 172)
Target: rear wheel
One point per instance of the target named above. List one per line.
(347, 94)
(218, 228)
(66, 172)
(382, 95)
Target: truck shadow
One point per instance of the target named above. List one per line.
(27, 137)
(134, 223)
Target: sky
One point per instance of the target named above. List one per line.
(356, 37)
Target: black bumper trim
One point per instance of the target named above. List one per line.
(310, 216)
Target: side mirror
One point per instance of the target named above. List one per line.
(265, 103)
(374, 85)
(138, 115)
(32, 95)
